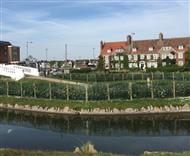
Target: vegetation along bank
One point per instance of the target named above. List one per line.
(142, 106)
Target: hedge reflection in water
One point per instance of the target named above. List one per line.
(133, 125)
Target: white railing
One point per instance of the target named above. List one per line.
(17, 72)
(27, 70)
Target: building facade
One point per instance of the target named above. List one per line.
(9, 53)
(144, 53)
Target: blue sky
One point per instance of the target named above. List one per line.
(83, 23)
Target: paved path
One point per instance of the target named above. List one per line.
(57, 80)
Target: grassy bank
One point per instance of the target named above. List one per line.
(78, 105)
(167, 154)
(11, 152)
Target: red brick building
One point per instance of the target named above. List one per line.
(9, 53)
(144, 53)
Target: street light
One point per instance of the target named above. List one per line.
(93, 53)
(27, 48)
(46, 53)
(46, 61)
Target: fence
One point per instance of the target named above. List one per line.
(124, 76)
(97, 91)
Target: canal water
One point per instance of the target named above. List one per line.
(131, 134)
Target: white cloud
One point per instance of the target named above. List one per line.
(82, 35)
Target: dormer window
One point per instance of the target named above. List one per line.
(180, 47)
(134, 49)
(150, 49)
(109, 51)
(119, 50)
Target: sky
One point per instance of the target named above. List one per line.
(82, 24)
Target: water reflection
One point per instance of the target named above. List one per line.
(141, 125)
(118, 134)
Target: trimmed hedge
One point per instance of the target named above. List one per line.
(106, 77)
(97, 91)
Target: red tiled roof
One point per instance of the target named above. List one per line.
(112, 46)
(144, 45)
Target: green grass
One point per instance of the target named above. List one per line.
(168, 154)
(11, 152)
(77, 105)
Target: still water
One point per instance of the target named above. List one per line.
(117, 134)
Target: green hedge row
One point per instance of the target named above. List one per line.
(97, 91)
(123, 76)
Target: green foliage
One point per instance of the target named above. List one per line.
(84, 70)
(100, 63)
(13, 152)
(126, 62)
(187, 58)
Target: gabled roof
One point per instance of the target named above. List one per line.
(144, 45)
(112, 46)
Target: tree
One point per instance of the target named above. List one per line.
(187, 58)
(100, 63)
(125, 62)
(169, 62)
(159, 62)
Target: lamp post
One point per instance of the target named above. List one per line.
(46, 53)
(27, 48)
(46, 61)
(93, 52)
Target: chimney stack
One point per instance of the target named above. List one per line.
(129, 39)
(161, 36)
(101, 44)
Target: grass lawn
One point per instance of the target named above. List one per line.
(168, 154)
(11, 152)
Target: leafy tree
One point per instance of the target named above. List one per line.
(169, 62)
(159, 62)
(100, 63)
(125, 62)
(187, 58)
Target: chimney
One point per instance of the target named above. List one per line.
(161, 36)
(129, 39)
(101, 44)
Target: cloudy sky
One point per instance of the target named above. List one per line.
(82, 24)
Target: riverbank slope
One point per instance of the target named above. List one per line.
(12, 152)
(143, 106)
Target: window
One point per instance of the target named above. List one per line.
(180, 47)
(171, 56)
(148, 57)
(109, 51)
(130, 65)
(155, 56)
(117, 65)
(180, 63)
(121, 65)
(180, 55)
(116, 58)
(150, 49)
(142, 57)
(129, 57)
(121, 58)
(135, 57)
(119, 50)
(163, 56)
(106, 59)
(134, 49)
(135, 65)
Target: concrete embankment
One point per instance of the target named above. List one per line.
(97, 111)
